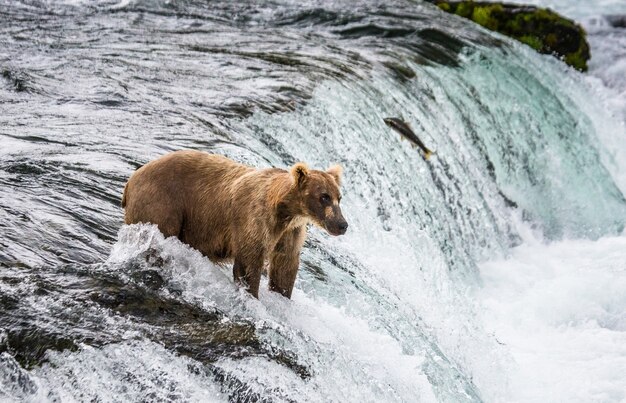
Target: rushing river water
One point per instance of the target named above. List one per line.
(483, 274)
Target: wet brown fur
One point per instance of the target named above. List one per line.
(229, 211)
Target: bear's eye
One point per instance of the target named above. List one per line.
(325, 198)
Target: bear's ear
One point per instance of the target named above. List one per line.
(300, 173)
(336, 171)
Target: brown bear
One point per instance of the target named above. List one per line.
(229, 211)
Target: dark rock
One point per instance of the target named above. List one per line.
(617, 20)
(401, 71)
(17, 81)
(540, 28)
(29, 344)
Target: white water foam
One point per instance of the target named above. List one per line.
(130, 371)
(560, 309)
(349, 359)
(357, 332)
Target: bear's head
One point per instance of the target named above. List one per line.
(319, 196)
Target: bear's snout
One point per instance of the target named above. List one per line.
(337, 228)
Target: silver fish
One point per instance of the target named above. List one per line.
(405, 130)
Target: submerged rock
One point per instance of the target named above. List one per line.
(540, 28)
(616, 20)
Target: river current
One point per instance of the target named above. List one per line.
(492, 272)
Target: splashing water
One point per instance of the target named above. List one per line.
(419, 300)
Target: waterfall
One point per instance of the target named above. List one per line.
(393, 310)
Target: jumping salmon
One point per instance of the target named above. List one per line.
(405, 130)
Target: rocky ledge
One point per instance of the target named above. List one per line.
(540, 28)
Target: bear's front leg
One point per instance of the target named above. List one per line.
(285, 260)
(247, 269)
(238, 271)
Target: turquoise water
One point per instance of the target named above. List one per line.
(419, 301)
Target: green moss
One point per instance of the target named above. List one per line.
(487, 16)
(465, 9)
(482, 16)
(445, 7)
(519, 23)
(551, 40)
(577, 60)
(532, 41)
(542, 29)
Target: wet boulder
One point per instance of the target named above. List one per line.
(542, 29)
(616, 20)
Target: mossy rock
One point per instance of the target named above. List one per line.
(540, 28)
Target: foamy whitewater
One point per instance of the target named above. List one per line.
(560, 311)
(495, 272)
(559, 307)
